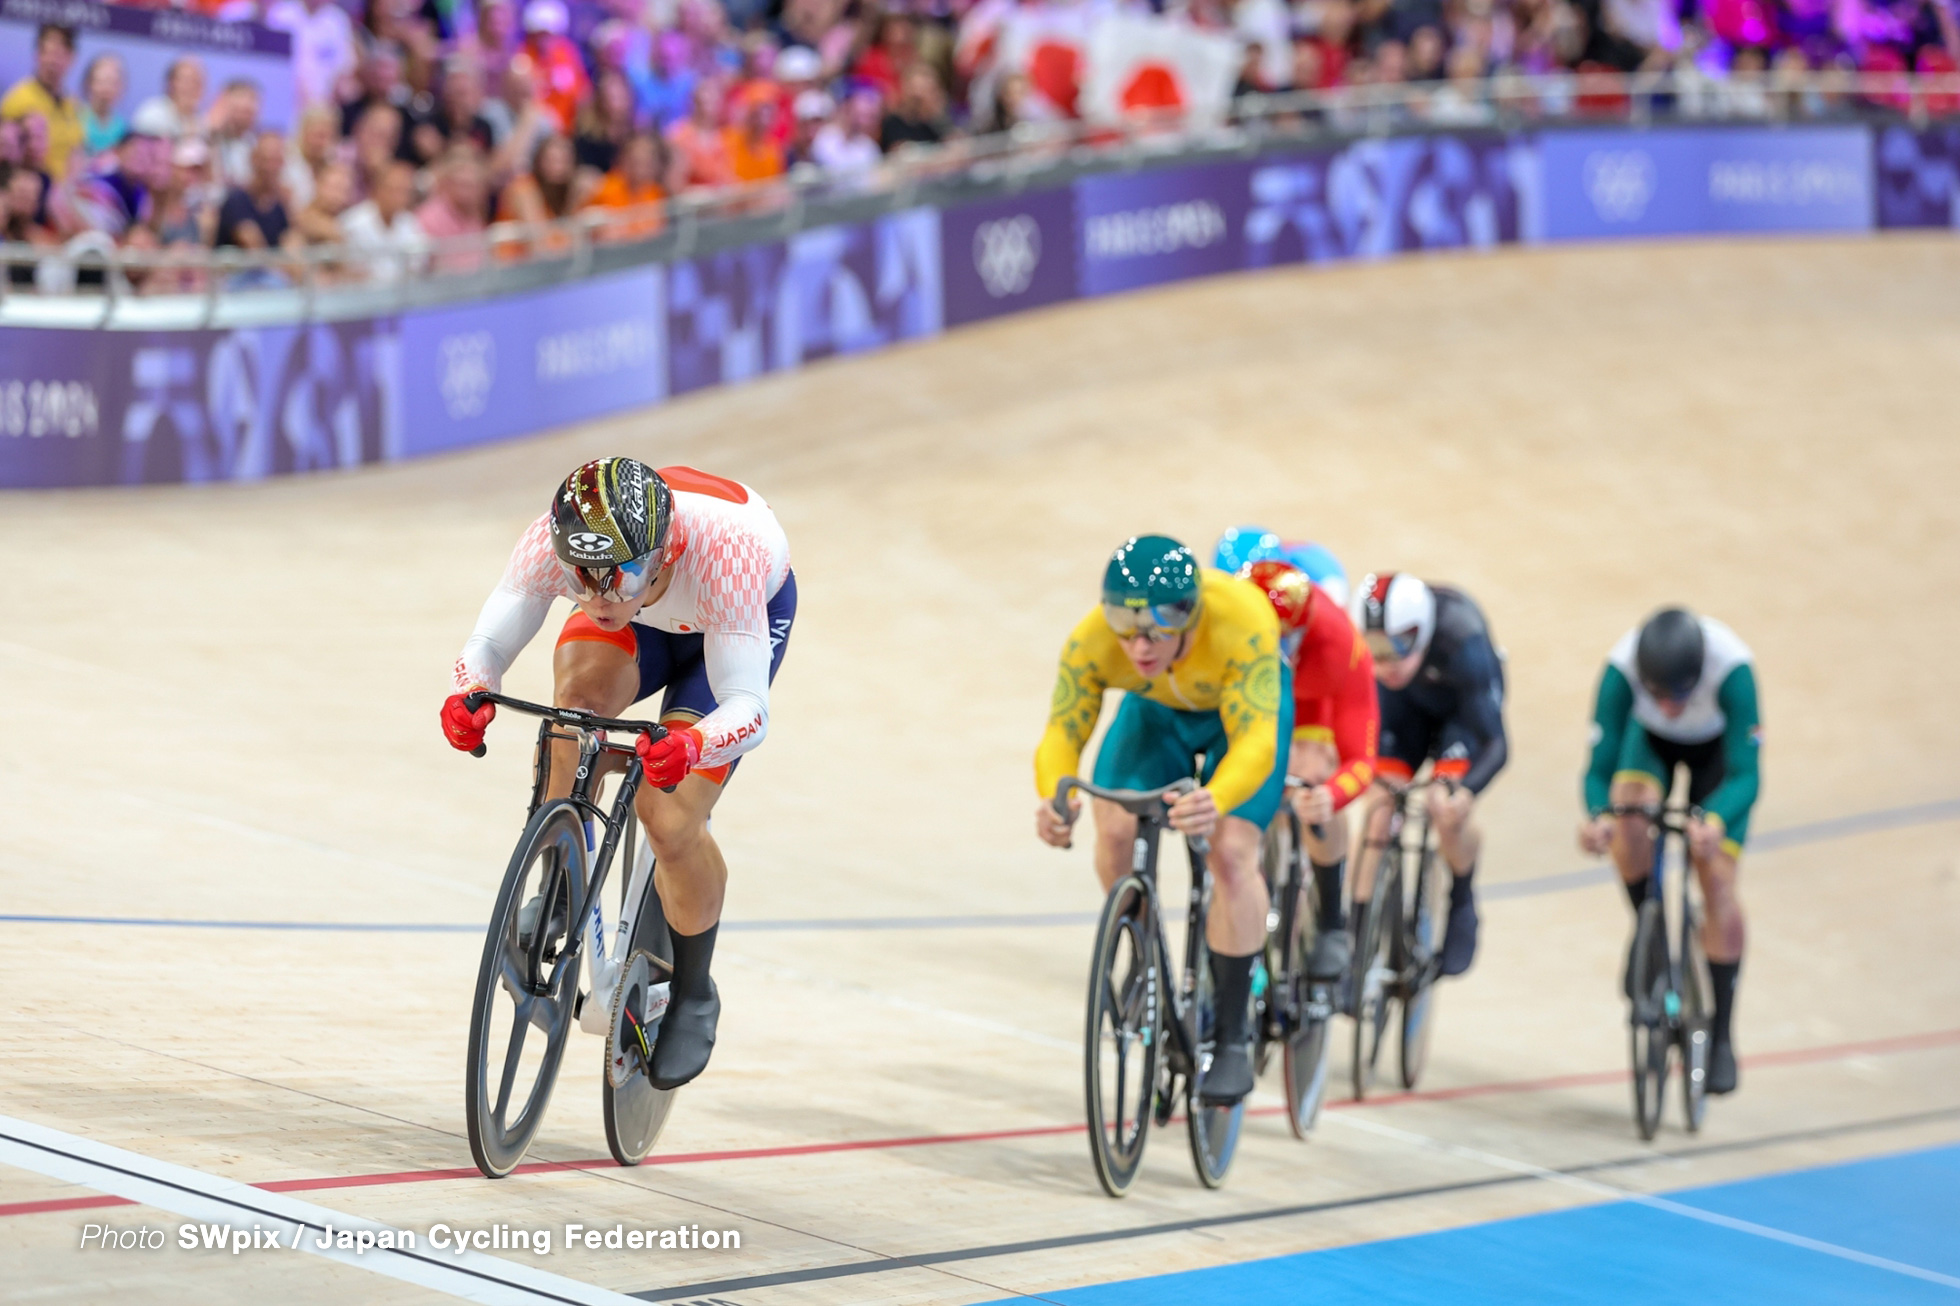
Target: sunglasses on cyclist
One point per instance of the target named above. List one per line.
(1156, 622)
(1387, 647)
(617, 584)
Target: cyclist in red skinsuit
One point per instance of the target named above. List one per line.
(1336, 727)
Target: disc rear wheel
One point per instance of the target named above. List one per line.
(1423, 939)
(636, 1111)
(1695, 1026)
(1214, 1129)
(1374, 974)
(1304, 1058)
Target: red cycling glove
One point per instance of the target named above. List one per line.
(462, 727)
(667, 760)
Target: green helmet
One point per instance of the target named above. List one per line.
(1151, 585)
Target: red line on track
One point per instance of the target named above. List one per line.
(1793, 1056)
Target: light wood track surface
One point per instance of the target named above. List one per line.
(220, 704)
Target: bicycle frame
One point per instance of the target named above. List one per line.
(589, 732)
(1186, 1037)
(1665, 825)
(1409, 854)
(1293, 891)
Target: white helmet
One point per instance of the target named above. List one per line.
(1396, 613)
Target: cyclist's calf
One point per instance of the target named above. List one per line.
(689, 871)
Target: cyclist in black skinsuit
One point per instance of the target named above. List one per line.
(1442, 697)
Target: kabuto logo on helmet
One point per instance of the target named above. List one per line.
(631, 501)
(591, 544)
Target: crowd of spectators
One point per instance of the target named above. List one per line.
(421, 120)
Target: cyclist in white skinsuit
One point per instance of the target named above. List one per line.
(683, 584)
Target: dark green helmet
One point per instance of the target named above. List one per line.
(1151, 584)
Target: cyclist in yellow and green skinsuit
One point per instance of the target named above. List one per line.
(1208, 696)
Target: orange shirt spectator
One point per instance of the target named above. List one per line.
(699, 141)
(754, 152)
(632, 189)
(559, 71)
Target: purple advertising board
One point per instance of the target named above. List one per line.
(1376, 198)
(1145, 228)
(114, 407)
(833, 290)
(1918, 177)
(126, 408)
(1003, 256)
(493, 369)
(148, 41)
(1679, 181)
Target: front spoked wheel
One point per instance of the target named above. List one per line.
(1374, 974)
(1423, 938)
(525, 989)
(1124, 1035)
(1650, 1034)
(635, 1110)
(1695, 1025)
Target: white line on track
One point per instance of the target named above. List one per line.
(471, 1276)
(1597, 1189)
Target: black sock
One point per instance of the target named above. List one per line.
(692, 953)
(1231, 992)
(1637, 891)
(1722, 977)
(1327, 879)
(1460, 891)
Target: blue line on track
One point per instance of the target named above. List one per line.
(1841, 827)
(1891, 1225)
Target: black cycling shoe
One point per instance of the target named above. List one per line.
(687, 1037)
(1333, 950)
(1460, 940)
(1229, 1077)
(1721, 1068)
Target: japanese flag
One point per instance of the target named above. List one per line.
(1143, 65)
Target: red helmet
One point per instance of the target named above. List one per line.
(1289, 589)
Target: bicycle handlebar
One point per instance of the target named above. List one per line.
(1295, 782)
(570, 716)
(1136, 801)
(1671, 818)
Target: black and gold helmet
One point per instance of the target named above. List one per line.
(610, 513)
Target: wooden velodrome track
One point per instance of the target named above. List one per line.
(220, 705)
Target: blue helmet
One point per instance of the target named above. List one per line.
(1321, 566)
(1241, 546)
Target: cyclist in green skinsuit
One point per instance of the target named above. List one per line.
(1681, 691)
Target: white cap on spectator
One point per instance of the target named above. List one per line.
(813, 104)
(546, 16)
(799, 63)
(154, 117)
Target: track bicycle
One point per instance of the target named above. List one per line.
(548, 915)
(1294, 1010)
(1398, 942)
(1148, 1039)
(1667, 982)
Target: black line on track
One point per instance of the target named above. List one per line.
(928, 1259)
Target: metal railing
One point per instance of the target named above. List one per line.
(92, 283)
